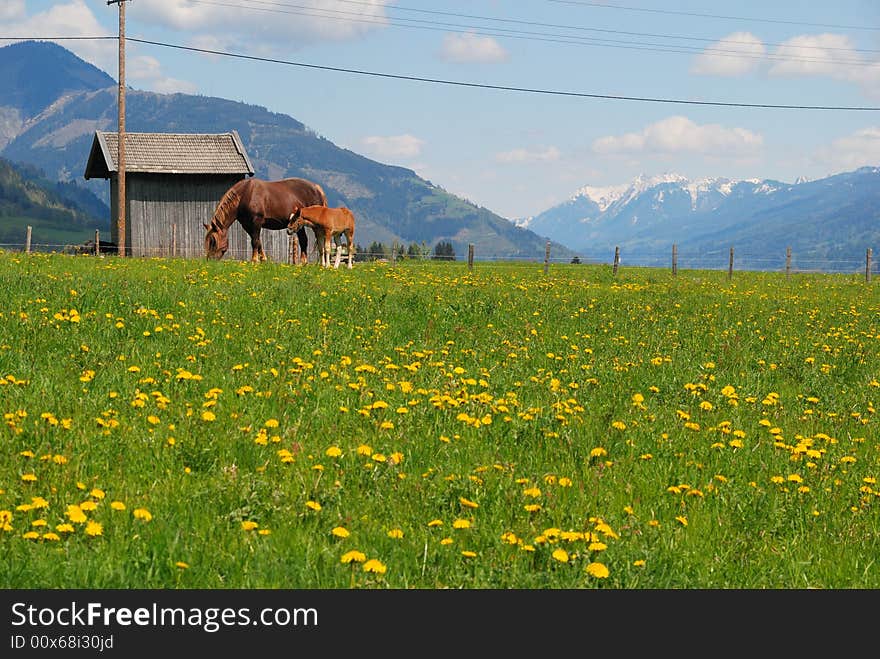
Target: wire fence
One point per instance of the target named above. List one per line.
(731, 260)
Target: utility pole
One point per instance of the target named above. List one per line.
(120, 160)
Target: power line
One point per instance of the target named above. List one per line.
(529, 90)
(471, 85)
(718, 16)
(359, 17)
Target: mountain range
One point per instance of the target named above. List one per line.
(53, 102)
(827, 223)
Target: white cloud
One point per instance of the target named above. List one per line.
(681, 135)
(469, 47)
(147, 72)
(393, 146)
(11, 10)
(852, 151)
(267, 27)
(811, 55)
(548, 154)
(827, 55)
(73, 19)
(734, 55)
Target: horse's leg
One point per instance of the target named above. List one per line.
(303, 238)
(325, 257)
(256, 245)
(349, 236)
(337, 243)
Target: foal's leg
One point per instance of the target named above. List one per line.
(325, 259)
(338, 243)
(349, 236)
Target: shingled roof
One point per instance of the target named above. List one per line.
(169, 153)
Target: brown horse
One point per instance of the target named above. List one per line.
(258, 205)
(329, 224)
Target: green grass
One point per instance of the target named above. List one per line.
(499, 428)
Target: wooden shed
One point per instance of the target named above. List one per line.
(173, 183)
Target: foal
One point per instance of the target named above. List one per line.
(329, 224)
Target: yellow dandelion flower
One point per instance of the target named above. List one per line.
(435, 522)
(533, 492)
(598, 452)
(395, 533)
(597, 570)
(446, 541)
(65, 528)
(560, 555)
(29, 478)
(182, 565)
(249, 525)
(682, 519)
(340, 532)
(94, 528)
(313, 505)
(52, 537)
(374, 566)
(469, 554)
(88, 506)
(264, 532)
(142, 513)
(461, 524)
(271, 423)
(31, 535)
(353, 556)
(468, 503)
(333, 452)
(75, 514)
(208, 415)
(639, 563)
(532, 507)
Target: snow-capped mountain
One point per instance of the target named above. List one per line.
(650, 213)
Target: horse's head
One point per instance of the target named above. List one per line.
(295, 222)
(216, 242)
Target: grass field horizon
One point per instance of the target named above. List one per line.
(173, 423)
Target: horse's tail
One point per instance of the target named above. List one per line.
(227, 208)
(321, 194)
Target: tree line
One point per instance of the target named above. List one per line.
(376, 251)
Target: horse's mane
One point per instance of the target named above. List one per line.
(225, 213)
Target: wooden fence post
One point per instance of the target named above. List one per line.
(97, 242)
(616, 260)
(471, 256)
(174, 239)
(27, 241)
(547, 257)
(787, 262)
(868, 265)
(674, 259)
(393, 252)
(730, 266)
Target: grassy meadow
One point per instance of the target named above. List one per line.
(172, 423)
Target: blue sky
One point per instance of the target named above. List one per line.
(516, 152)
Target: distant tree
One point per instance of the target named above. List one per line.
(444, 251)
(359, 254)
(377, 251)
